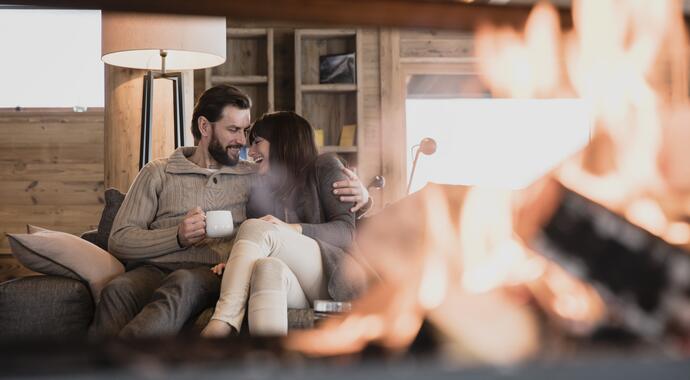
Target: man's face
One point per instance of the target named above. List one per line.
(228, 135)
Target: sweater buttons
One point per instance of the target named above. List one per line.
(215, 180)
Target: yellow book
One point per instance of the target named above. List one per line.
(347, 135)
(318, 136)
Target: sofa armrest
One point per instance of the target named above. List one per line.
(44, 307)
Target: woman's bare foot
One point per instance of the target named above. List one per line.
(217, 329)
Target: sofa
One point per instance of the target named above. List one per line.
(58, 307)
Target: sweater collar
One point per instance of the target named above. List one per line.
(178, 163)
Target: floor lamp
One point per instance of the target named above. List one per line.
(164, 45)
(426, 146)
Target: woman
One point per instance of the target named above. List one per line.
(292, 254)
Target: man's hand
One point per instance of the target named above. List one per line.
(193, 228)
(273, 220)
(351, 190)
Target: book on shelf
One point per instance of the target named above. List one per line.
(347, 135)
(318, 136)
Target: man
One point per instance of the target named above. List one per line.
(160, 228)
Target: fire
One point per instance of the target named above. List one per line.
(522, 66)
(629, 59)
(459, 256)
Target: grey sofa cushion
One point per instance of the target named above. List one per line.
(113, 201)
(44, 307)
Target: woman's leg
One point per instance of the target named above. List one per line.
(274, 289)
(253, 241)
(258, 239)
(302, 255)
(290, 278)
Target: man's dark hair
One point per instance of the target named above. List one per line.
(212, 102)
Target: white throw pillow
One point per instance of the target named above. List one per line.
(63, 254)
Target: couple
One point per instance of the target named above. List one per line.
(288, 258)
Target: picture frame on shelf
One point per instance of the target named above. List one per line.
(338, 68)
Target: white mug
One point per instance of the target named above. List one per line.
(218, 223)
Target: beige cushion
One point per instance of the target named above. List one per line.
(63, 254)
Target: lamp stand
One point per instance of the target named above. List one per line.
(147, 106)
(426, 146)
(414, 167)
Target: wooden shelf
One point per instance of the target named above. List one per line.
(239, 79)
(338, 149)
(327, 33)
(331, 87)
(246, 32)
(329, 106)
(433, 60)
(249, 67)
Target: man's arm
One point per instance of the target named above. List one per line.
(131, 238)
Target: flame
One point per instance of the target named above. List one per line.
(461, 253)
(463, 262)
(629, 59)
(489, 254)
(522, 66)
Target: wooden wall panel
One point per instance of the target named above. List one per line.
(392, 117)
(435, 46)
(51, 171)
(370, 146)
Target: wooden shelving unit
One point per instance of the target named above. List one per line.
(329, 106)
(339, 87)
(249, 66)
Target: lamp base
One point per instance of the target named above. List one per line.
(146, 113)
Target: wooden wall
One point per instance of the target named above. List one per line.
(435, 46)
(51, 170)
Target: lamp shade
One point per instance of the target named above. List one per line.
(134, 40)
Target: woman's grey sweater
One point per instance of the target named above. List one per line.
(322, 217)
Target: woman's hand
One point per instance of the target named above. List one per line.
(351, 190)
(218, 269)
(273, 220)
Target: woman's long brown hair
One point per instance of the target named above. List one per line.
(292, 152)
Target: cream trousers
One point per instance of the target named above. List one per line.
(274, 267)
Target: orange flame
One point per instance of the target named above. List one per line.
(459, 262)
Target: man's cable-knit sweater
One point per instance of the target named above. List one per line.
(145, 228)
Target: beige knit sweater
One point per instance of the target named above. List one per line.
(145, 228)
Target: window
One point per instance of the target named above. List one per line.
(50, 58)
(505, 143)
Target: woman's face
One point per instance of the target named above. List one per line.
(259, 152)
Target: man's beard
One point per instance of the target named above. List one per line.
(220, 154)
